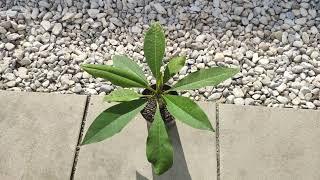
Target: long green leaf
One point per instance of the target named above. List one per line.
(128, 64)
(154, 47)
(117, 76)
(121, 95)
(112, 120)
(187, 111)
(159, 148)
(173, 67)
(205, 77)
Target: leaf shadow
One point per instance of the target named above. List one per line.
(140, 176)
(179, 169)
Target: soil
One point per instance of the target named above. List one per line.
(150, 109)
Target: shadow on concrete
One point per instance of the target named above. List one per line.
(140, 176)
(179, 169)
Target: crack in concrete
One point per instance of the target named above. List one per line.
(77, 150)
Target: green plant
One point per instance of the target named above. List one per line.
(159, 103)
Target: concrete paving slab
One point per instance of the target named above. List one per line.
(123, 156)
(38, 134)
(269, 143)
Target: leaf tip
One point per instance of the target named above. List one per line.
(84, 66)
(235, 70)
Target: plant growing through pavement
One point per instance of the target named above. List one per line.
(159, 104)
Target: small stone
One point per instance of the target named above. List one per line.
(105, 32)
(314, 55)
(310, 105)
(34, 13)
(264, 46)
(278, 35)
(314, 30)
(305, 38)
(215, 96)
(13, 37)
(282, 99)
(10, 76)
(67, 16)
(303, 12)
(183, 70)
(91, 91)
(264, 61)
(305, 90)
(255, 57)
(264, 20)
(249, 54)
(256, 96)
(116, 21)
(9, 46)
(317, 103)
(296, 101)
(12, 14)
(219, 57)
(301, 21)
(93, 12)
(47, 16)
(18, 53)
(201, 38)
(46, 25)
(159, 8)
(77, 88)
(248, 101)
(57, 29)
(257, 85)
(25, 61)
(201, 65)
(3, 30)
(288, 75)
(44, 4)
(259, 70)
(297, 44)
(46, 83)
(238, 10)
(11, 83)
(281, 88)
(45, 37)
(194, 8)
(106, 88)
(237, 92)
(22, 73)
(297, 69)
(238, 101)
(94, 46)
(136, 30)
(284, 38)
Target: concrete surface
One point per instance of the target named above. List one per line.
(269, 143)
(38, 135)
(123, 156)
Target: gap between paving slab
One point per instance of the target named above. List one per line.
(76, 154)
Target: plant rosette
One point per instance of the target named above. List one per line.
(159, 104)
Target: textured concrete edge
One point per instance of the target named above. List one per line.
(81, 129)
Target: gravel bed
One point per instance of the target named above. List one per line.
(274, 42)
